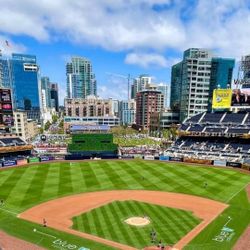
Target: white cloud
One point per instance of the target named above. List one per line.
(122, 25)
(115, 87)
(9, 47)
(146, 60)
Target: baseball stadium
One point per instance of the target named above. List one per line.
(93, 199)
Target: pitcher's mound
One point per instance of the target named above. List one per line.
(138, 221)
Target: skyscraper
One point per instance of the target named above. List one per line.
(80, 78)
(175, 97)
(5, 73)
(221, 75)
(164, 90)
(127, 112)
(24, 76)
(49, 93)
(1, 74)
(194, 79)
(148, 102)
(54, 102)
(140, 83)
(45, 92)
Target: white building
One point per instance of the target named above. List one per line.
(127, 111)
(24, 127)
(164, 88)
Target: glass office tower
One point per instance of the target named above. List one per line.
(25, 84)
(221, 75)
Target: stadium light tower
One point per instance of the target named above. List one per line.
(127, 77)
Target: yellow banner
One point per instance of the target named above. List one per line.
(222, 98)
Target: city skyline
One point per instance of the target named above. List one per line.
(122, 42)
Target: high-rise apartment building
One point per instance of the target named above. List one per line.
(54, 100)
(140, 83)
(80, 78)
(164, 90)
(175, 87)
(49, 93)
(127, 112)
(148, 102)
(194, 79)
(45, 92)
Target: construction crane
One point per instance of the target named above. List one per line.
(127, 77)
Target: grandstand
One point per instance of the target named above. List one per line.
(93, 145)
(12, 146)
(220, 135)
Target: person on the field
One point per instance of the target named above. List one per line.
(44, 223)
(159, 245)
(1, 202)
(205, 184)
(153, 236)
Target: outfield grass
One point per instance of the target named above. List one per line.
(169, 223)
(22, 188)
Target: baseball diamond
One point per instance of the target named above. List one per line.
(24, 188)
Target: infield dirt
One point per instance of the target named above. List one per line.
(59, 212)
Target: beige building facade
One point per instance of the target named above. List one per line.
(24, 128)
(89, 107)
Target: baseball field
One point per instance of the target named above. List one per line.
(148, 189)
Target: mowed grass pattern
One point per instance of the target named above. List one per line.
(24, 187)
(108, 222)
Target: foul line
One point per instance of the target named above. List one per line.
(8, 211)
(230, 198)
(36, 231)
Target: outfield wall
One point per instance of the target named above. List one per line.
(33, 160)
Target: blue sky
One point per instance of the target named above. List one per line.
(122, 36)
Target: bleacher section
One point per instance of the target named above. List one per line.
(14, 146)
(214, 136)
(93, 145)
(212, 117)
(11, 142)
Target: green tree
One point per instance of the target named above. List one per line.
(47, 125)
(54, 119)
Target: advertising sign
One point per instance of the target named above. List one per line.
(222, 98)
(46, 158)
(241, 97)
(6, 112)
(5, 96)
(175, 158)
(33, 159)
(21, 162)
(164, 158)
(220, 163)
(138, 156)
(9, 163)
(149, 157)
(234, 164)
(60, 157)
